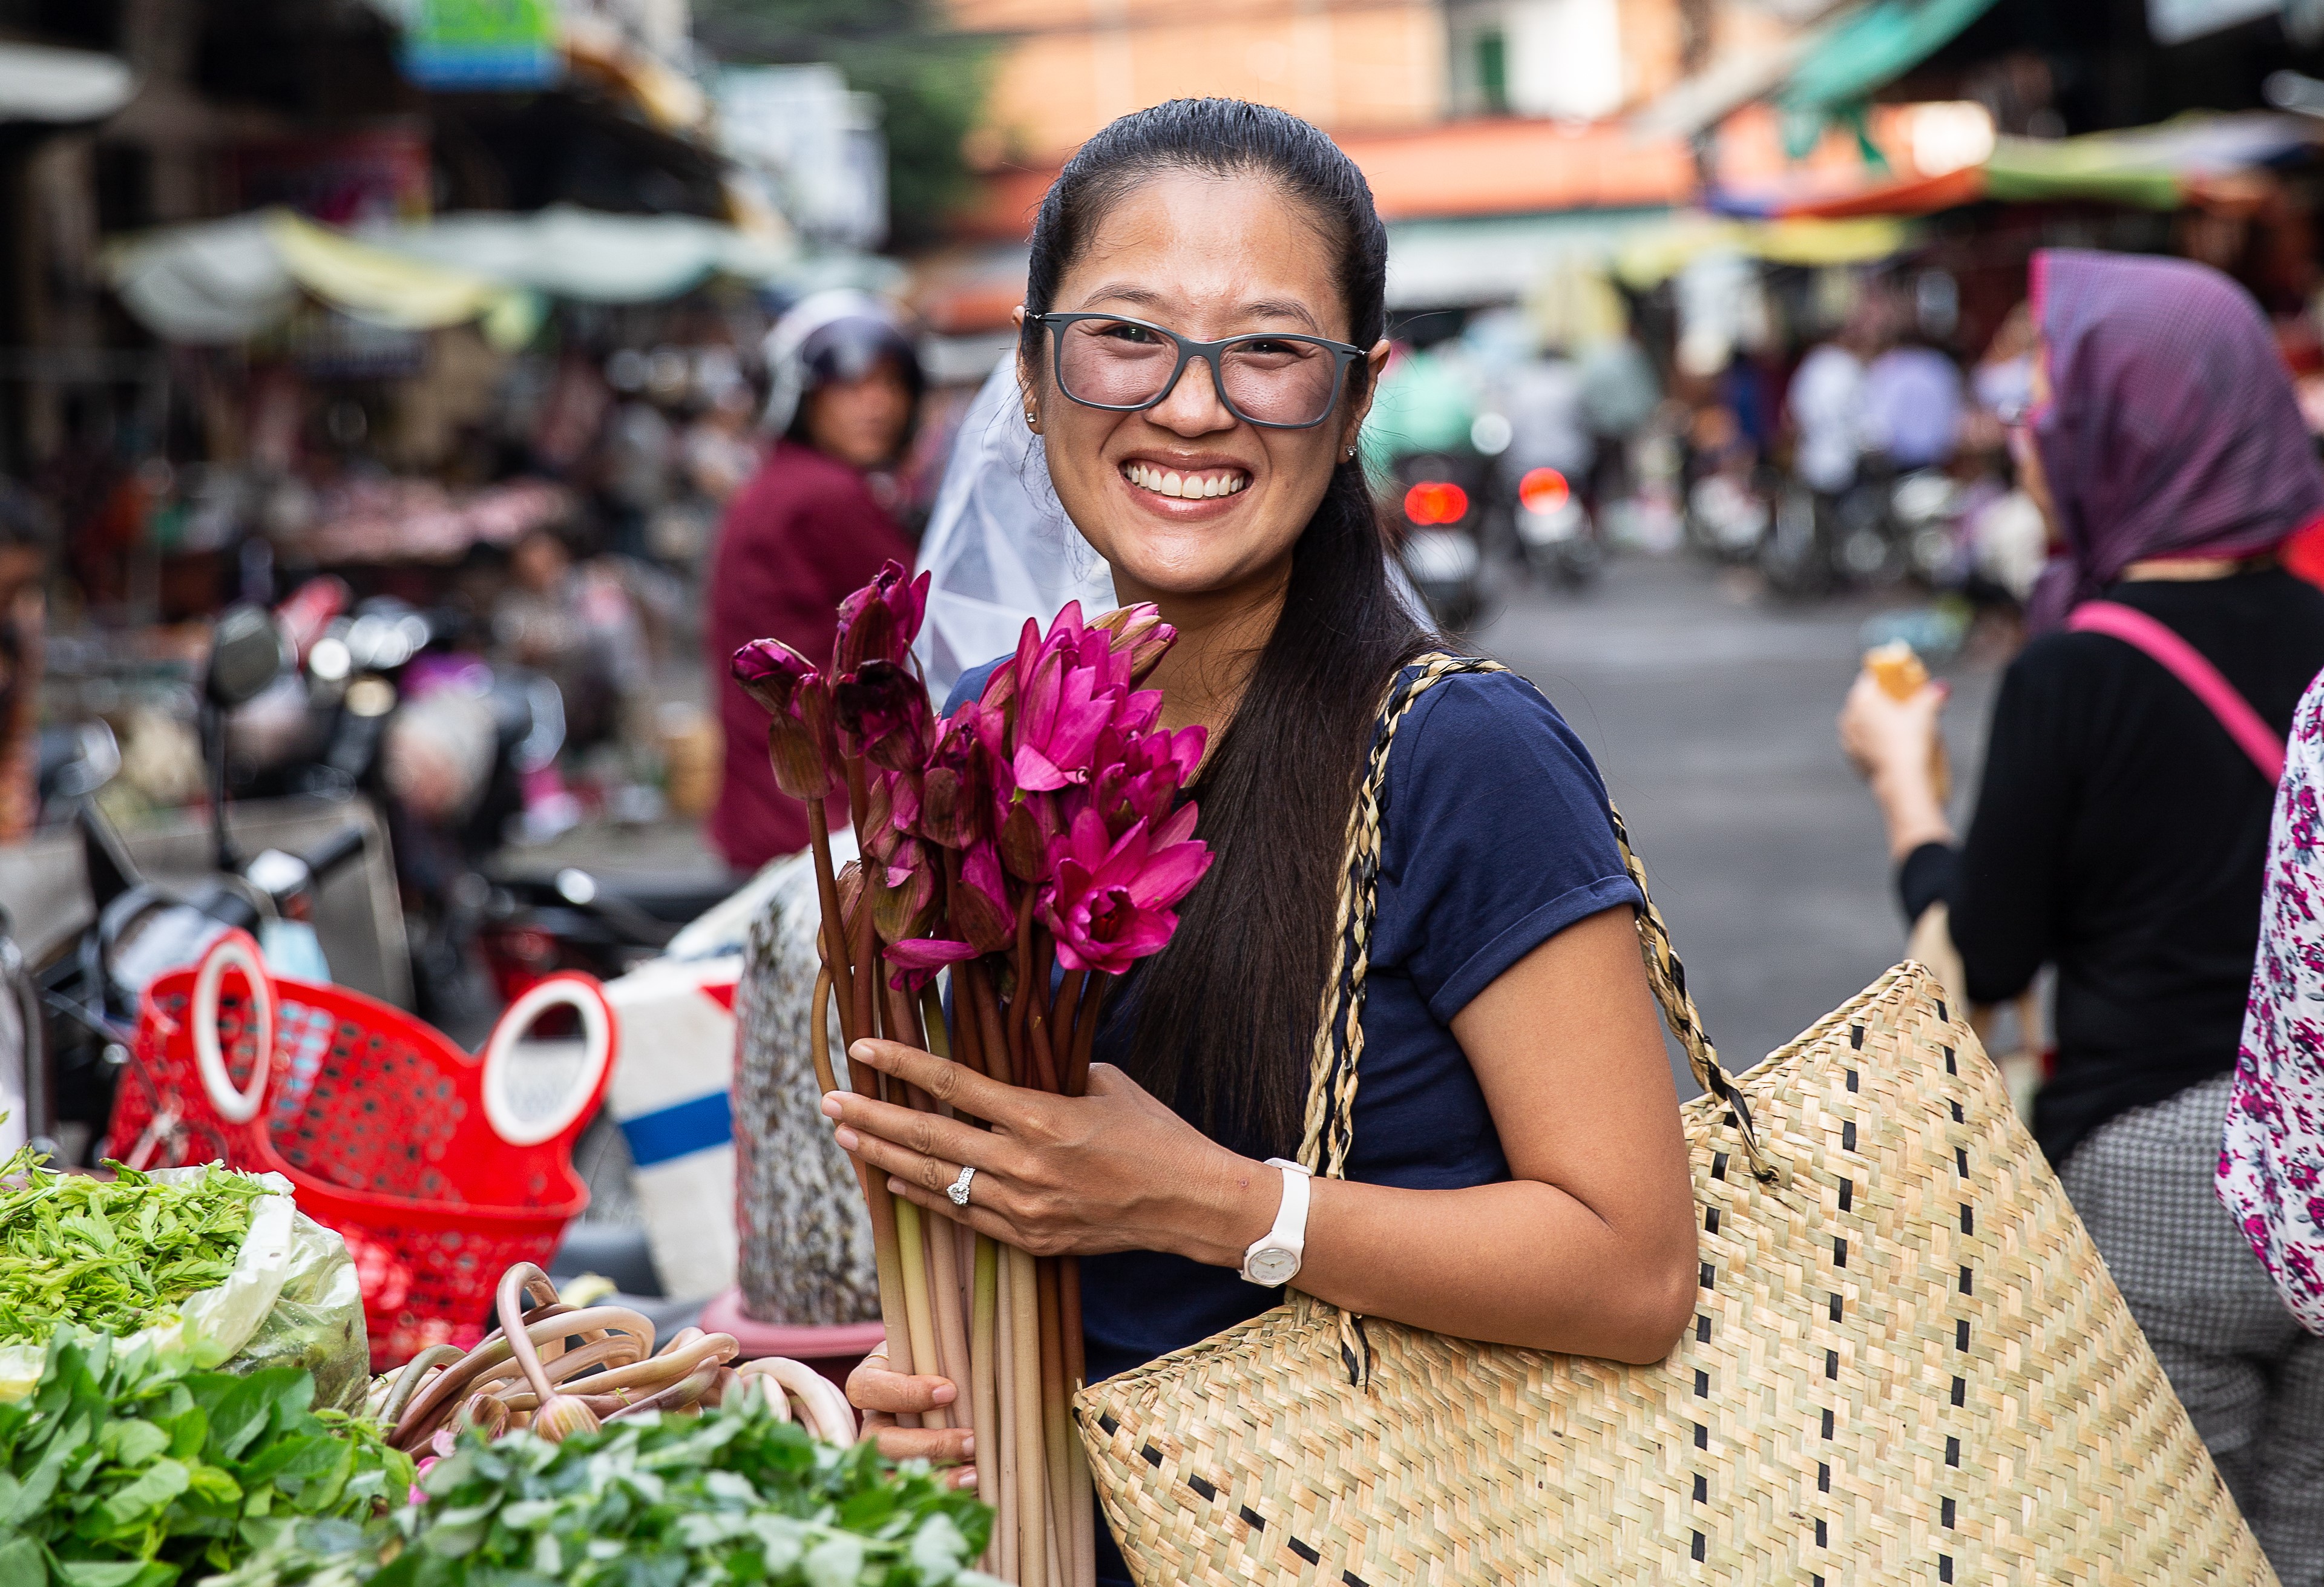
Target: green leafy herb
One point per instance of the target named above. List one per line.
(112, 1254)
(731, 1496)
(115, 1473)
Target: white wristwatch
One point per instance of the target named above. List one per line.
(1273, 1258)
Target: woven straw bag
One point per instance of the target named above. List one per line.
(1907, 1361)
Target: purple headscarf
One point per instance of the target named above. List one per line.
(2172, 429)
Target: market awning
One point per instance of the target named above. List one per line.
(590, 256)
(1861, 53)
(227, 280)
(2161, 167)
(1655, 255)
(39, 82)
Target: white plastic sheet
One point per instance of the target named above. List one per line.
(998, 544)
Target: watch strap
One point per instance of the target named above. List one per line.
(1288, 1235)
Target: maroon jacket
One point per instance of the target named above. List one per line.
(802, 535)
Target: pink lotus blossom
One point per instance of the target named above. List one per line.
(1110, 905)
(917, 960)
(880, 622)
(1140, 634)
(880, 710)
(981, 911)
(1138, 777)
(792, 691)
(962, 782)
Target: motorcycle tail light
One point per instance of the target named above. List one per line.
(1435, 501)
(1544, 490)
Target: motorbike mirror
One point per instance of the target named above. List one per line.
(246, 656)
(96, 760)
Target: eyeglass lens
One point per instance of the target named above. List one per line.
(1269, 380)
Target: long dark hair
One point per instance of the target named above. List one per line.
(1225, 1016)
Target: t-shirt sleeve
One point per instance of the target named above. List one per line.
(1497, 838)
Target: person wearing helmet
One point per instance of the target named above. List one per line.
(810, 526)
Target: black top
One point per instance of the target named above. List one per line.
(2119, 833)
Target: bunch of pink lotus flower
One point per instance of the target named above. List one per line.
(1032, 846)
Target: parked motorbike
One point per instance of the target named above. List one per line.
(1439, 507)
(534, 926)
(89, 988)
(1557, 531)
(443, 745)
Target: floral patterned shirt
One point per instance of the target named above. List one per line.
(2272, 1160)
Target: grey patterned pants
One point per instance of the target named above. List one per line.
(2250, 1376)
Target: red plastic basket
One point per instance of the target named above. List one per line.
(420, 1155)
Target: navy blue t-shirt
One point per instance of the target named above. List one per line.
(1497, 839)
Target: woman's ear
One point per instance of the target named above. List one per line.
(1374, 362)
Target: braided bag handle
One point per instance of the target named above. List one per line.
(1328, 1132)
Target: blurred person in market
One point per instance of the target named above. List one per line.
(2123, 815)
(814, 523)
(25, 541)
(574, 620)
(1912, 406)
(1827, 400)
(1619, 395)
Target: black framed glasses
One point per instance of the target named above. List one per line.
(1277, 379)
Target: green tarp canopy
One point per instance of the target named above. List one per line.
(1861, 53)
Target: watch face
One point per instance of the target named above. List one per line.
(1273, 1266)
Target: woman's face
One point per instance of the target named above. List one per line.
(861, 421)
(2031, 478)
(1209, 258)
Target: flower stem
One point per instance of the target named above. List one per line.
(990, 1034)
(916, 1311)
(982, 1344)
(951, 1327)
(1055, 1418)
(826, 892)
(1005, 1528)
(1085, 1024)
(1081, 1560)
(1032, 1522)
(1066, 1020)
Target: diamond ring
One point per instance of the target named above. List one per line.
(959, 1188)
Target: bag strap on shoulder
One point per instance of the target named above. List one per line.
(1329, 1132)
(2190, 666)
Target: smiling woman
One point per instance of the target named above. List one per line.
(1201, 336)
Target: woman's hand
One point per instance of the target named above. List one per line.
(882, 1395)
(1885, 737)
(1893, 743)
(1057, 1176)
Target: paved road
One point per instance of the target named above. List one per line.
(1711, 714)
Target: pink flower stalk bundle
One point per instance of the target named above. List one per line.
(1029, 849)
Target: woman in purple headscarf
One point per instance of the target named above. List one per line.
(2122, 815)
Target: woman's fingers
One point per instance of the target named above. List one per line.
(944, 1446)
(962, 1088)
(923, 1135)
(978, 1216)
(875, 1388)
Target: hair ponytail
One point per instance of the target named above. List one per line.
(1225, 1016)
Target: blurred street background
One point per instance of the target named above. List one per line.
(379, 380)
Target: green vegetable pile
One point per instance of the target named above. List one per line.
(115, 1472)
(112, 1255)
(732, 1495)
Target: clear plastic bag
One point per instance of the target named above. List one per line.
(998, 544)
(292, 1301)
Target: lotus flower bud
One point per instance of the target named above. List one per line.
(560, 1416)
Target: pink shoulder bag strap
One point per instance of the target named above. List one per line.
(2185, 662)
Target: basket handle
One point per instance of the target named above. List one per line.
(233, 951)
(567, 989)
